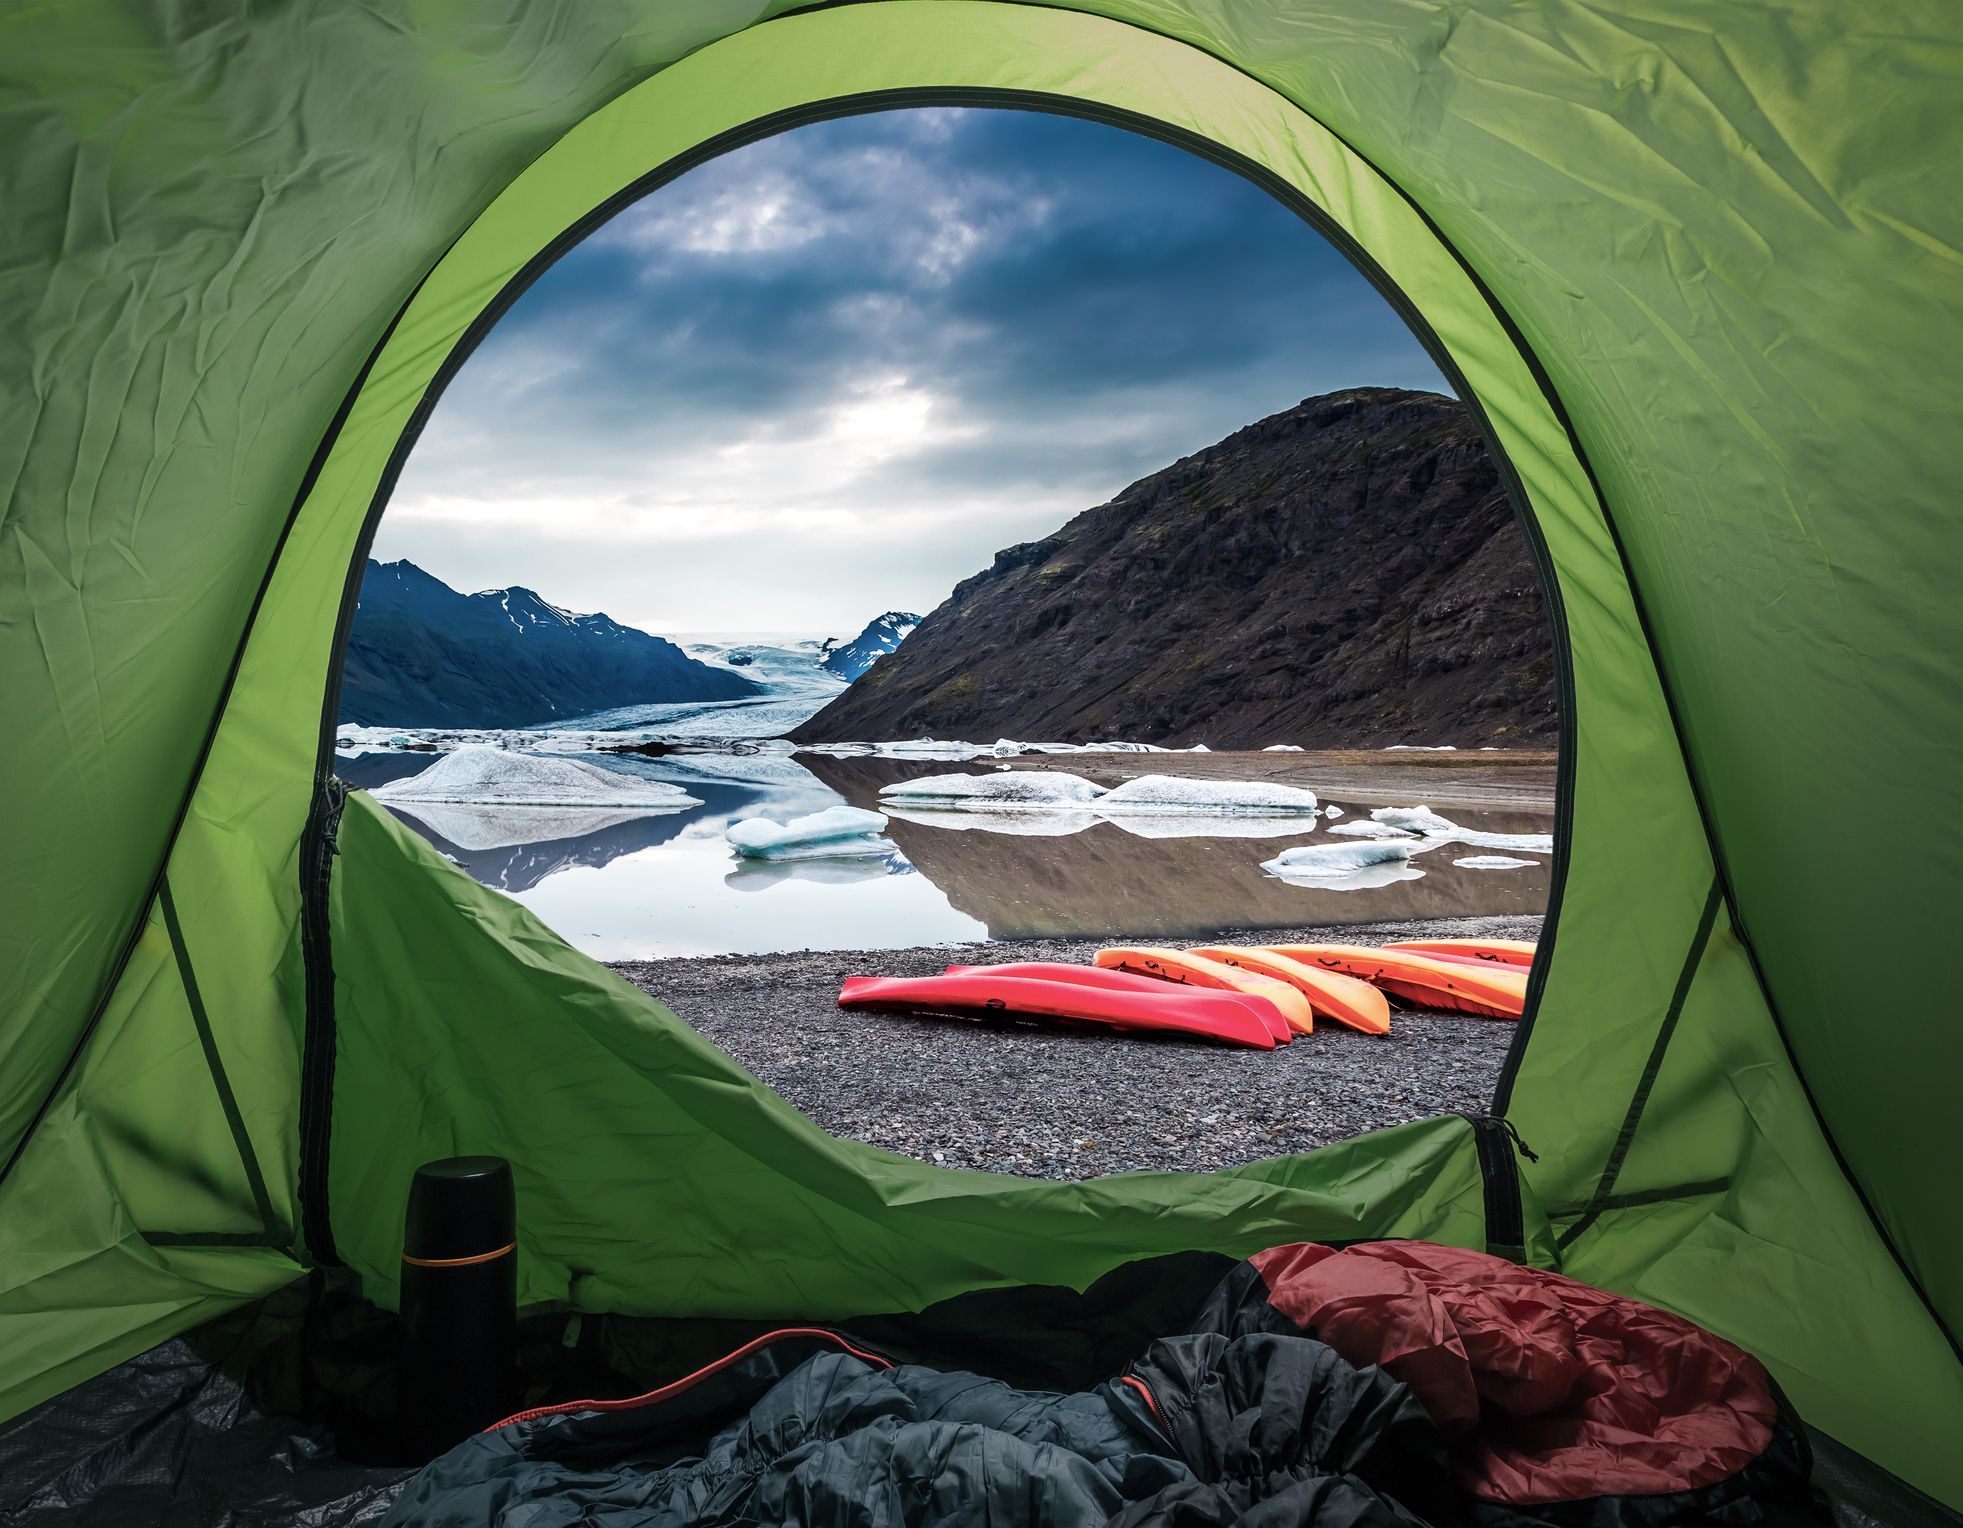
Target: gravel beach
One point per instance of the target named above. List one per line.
(1065, 1104)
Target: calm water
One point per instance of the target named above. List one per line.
(666, 883)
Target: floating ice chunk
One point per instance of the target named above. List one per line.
(1284, 748)
(1442, 830)
(1332, 812)
(1176, 824)
(1317, 862)
(1415, 819)
(1197, 748)
(1421, 748)
(1024, 790)
(478, 828)
(1492, 862)
(484, 776)
(930, 748)
(837, 830)
(1169, 793)
(1363, 829)
(1058, 824)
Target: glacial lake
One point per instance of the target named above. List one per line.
(666, 884)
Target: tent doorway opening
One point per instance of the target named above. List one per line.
(1017, 538)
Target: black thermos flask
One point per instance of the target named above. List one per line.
(459, 1303)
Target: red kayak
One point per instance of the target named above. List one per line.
(982, 994)
(1128, 981)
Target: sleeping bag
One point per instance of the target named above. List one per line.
(1387, 1384)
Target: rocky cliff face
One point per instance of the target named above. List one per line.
(423, 655)
(1346, 573)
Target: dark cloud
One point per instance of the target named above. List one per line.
(831, 372)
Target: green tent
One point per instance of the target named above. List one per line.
(1695, 266)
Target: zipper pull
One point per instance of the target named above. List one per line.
(333, 799)
(1513, 1130)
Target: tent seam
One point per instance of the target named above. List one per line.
(227, 1099)
(1645, 1084)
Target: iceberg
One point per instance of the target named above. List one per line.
(1423, 821)
(836, 831)
(1332, 812)
(1415, 819)
(482, 776)
(1330, 861)
(476, 829)
(1059, 824)
(930, 748)
(1492, 862)
(1362, 829)
(1015, 791)
(1168, 793)
(1284, 748)
(1421, 748)
(1174, 824)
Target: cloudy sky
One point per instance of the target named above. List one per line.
(830, 374)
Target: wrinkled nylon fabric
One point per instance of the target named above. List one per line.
(211, 217)
(1712, 237)
(655, 1177)
(1571, 1391)
(1728, 234)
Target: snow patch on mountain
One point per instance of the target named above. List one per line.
(882, 635)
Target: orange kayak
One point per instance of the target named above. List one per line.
(1425, 981)
(1499, 952)
(1355, 1004)
(1196, 971)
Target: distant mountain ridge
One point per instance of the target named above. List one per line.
(1348, 572)
(883, 634)
(424, 655)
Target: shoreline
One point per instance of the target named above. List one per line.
(1066, 1105)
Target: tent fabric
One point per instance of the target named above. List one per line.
(1693, 267)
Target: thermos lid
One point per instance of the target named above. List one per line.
(460, 1207)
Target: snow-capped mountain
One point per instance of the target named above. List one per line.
(776, 665)
(882, 635)
(423, 655)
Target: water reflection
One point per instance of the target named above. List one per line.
(665, 883)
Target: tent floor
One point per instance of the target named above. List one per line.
(282, 1412)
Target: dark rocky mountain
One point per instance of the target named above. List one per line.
(883, 634)
(423, 655)
(1346, 573)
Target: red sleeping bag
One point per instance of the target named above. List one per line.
(1554, 1391)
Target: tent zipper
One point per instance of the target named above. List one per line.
(1496, 1139)
(319, 844)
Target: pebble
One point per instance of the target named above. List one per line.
(1073, 1104)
